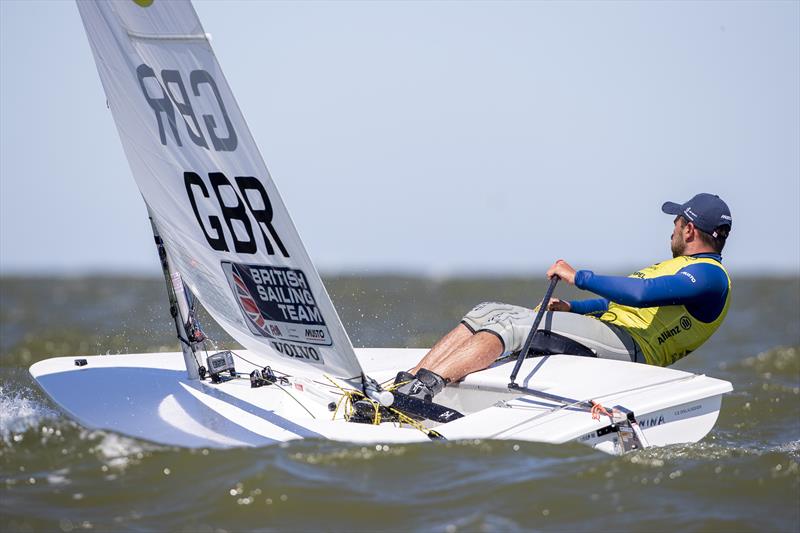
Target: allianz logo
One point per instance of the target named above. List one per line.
(685, 323)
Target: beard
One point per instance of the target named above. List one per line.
(677, 245)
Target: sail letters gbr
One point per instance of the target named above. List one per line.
(168, 96)
(276, 302)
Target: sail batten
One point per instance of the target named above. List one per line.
(175, 37)
(224, 224)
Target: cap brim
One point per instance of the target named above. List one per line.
(671, 208)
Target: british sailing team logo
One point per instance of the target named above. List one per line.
(277, 303)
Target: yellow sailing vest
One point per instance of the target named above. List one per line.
(668, 333)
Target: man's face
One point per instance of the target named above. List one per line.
(677, 242)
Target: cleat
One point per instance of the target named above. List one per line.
(404, 377)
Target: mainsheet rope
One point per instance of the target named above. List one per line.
(351, 396)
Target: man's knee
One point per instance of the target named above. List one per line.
(502, 320)
(483, 314)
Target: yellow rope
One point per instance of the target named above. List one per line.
(351, 396)
(347, 399)
(396, 386)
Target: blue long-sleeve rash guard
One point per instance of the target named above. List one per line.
(701, 287)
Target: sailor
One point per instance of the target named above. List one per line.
(657, 315)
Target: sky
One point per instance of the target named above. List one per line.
(435, 138)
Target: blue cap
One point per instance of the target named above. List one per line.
(706, 211)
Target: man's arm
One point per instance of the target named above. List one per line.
(588, 307)
(581, 307)
(687, 286)
(694, 283)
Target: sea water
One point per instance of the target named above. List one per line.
(57, 475)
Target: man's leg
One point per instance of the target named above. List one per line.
(442, 349)
(476, 353)
(502, 328)
(473, 345)
(512, 324)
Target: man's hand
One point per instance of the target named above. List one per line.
(557, 304)
(563, 270)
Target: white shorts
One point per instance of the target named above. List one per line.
(512, 323)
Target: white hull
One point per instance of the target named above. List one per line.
(148, 396)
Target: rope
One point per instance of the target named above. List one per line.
(275, 383)
(351, 396)
(295, 399)
(250, 362)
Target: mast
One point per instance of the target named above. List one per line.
(186, 327)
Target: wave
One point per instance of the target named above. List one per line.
(21, 409)
(779, 361)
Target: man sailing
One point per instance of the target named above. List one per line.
(657, 315)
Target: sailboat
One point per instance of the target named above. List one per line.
(226, 241)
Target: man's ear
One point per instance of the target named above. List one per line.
(689, 232)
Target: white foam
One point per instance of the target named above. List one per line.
(116, 450)
(791, 447)
(59, 477)
(20, 411)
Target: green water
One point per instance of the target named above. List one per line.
(56, 475)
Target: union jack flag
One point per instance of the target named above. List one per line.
(249, 305)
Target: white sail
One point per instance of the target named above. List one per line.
(216, 207)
